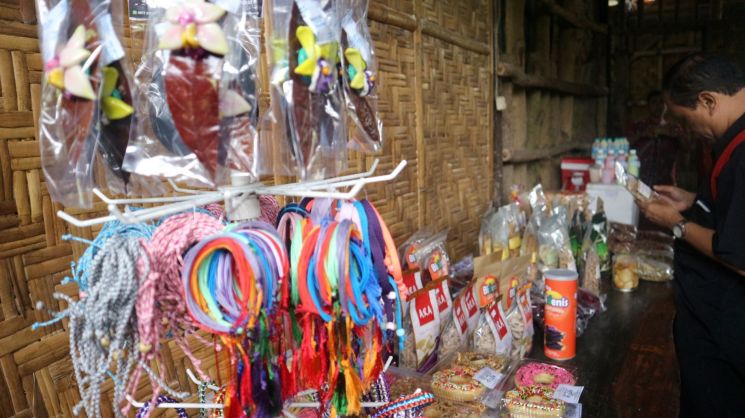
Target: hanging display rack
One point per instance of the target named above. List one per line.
(239, 199)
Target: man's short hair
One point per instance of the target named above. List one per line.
(699, 72)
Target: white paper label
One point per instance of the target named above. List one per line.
(314, 16)
(488, 377)
(568, 393)
(112, 48)
(51, 29)
(499, 328)
(573, 410)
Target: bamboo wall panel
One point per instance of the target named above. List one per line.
(435, 100)
(456, 97)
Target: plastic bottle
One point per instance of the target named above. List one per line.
(633, 164)
(609, 169)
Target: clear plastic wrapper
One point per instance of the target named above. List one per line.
(639, 189)
(625, 272)
(530, 389)
(622, 233)
(359, 77)
(598, 235)
(432, 257)
(647, 245)
(486, 232)
(198, 81)
(655, 266)
(529, 245)
(492, 335)
(591, 271)
(308, 112)
(461, 273)
(554, 249)
(408, 248)
(69, 119)
(538, 202)
(656, 236)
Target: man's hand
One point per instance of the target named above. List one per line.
(660, 212)
(678, 198)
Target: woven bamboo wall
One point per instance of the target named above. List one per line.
(436, 103)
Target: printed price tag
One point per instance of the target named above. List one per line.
(138, 10)
(568, 393)
(488, 377)
(573, 410)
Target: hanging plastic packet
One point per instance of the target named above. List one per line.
(529, 244)
(634, 185)
(198, 78)
(523, 303)
(538, 202)
(598, 234)
(486, 232)
(69, 116)
(308, 106)
(359, 78)
(454, 330)
(410, 246)
(433, 259)
(492, 335)
(117, 113)
(425, 319)
(554, 249)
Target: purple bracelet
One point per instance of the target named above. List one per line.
(161, 399)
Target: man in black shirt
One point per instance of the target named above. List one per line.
(709, 93)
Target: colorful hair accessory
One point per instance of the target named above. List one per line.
(145, 410)
(406, 406)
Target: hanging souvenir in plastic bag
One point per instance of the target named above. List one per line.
(68, 120)
(359, 77)
(198, 78)
(308, 112)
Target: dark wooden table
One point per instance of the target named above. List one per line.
(626, 358)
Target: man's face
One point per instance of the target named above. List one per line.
(699, 119)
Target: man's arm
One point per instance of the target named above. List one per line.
(664, 214)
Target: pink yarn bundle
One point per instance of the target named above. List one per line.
(269, 209)
(160, 302)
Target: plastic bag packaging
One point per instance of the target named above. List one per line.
(639, 189)
(538, 202)
(432, 257)
(461, 273)
(554, 249)
(646, 245)
(591, 271)
(530, 388)
(486, 232)
(598, 234)
(620, 237)
(656, 266)
(198, 79)
(69, 119)
(625, 272)
(308, 112)
(529, 245)
(359, 76)
(492, 335)
(408, 248)
(656, 236)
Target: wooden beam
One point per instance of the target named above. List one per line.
(381, 13)
(435, 29)
(668, 51)
(520, 79)
(517, 156)
(389, 16)
(572, 19)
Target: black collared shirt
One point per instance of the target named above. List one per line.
(715, 294)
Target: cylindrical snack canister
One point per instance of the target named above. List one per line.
(560, 332)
